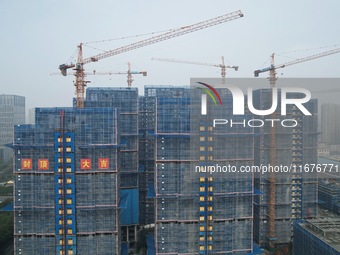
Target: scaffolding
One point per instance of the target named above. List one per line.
(191, 218)
(66, 182)
(126, 100)
(295, 194)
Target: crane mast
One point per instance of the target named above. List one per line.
(273, 143)
(79, 66)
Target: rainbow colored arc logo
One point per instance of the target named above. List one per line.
(209, 91)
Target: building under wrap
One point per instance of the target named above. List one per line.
(126, 99)
(289, 196)
(197, 212)
(66, 185)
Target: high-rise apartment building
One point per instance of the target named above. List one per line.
(330, 122)
(197, 212)
(66, 182)
(284, 197)
(12, 112)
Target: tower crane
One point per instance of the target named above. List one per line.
(272, 180)
(80, 82)
(222, 65)
(129, 73)
(272, 68)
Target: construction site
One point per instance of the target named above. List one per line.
(123, 173)
(284, 197)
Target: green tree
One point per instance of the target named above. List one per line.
(6, 224)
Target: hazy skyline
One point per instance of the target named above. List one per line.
(39, 36)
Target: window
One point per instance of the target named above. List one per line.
(70, 241)
(69, 231)
(202, 128)
(69, 201)
(69, 191)
(69, 221)
(68, 180)
(202, 139)
(69, 211)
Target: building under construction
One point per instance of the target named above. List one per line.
(198, 212)
(66, 183)
(284, 197)
(76, 173)
(126, 100)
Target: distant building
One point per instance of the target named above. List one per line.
(31, 116)
(330, 123)
(329, 194)
(12, 112)
(323, 150)
(317, 237)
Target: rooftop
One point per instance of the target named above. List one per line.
(327, 229)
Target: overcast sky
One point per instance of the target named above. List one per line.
(37, 36)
